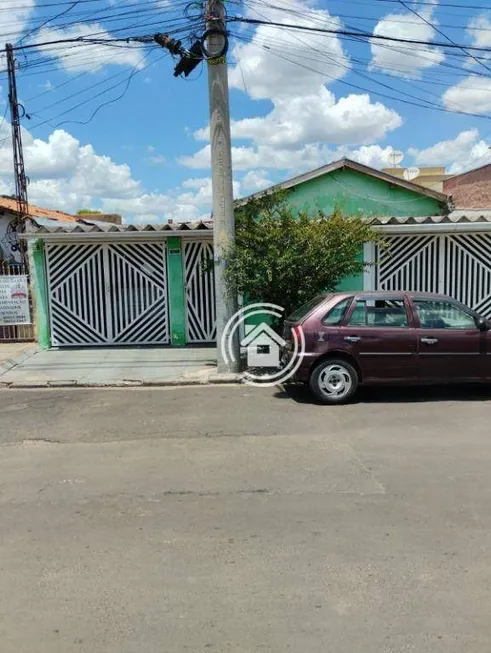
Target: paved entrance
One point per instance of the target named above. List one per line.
(111, 366)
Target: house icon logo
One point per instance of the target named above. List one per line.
(263, 346)
(267, 359)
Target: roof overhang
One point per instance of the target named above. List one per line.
(435, 228)
(126, 236)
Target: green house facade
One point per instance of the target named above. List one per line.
(96, 284)
(356, 189)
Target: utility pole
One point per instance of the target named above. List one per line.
(214, 52)
(19, 171)
(221, 170)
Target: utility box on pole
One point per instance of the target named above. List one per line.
(221, 170)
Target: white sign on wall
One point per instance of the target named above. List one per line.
(14, 300)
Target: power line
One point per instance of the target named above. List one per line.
(49, 20)
(425, 2)
(359, 34)
(365, 90)
(439, 31)
(126, 82)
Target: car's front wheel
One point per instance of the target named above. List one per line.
(334, 381)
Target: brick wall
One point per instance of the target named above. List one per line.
(471, 189)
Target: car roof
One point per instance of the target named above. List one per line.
(387, 293)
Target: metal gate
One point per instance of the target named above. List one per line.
(16, 332)
(200, 292)
(458, 265)
(110, 294)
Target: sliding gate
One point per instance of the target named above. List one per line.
(458, 265)
(108, 294)
(200, 292)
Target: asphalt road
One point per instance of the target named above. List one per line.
(242, 520)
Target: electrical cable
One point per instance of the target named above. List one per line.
(49, 20)
(439, 31)
(127, 83)
(306, 28)
(365, 90)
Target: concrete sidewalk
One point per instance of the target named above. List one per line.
(12, 353)
(115, 367)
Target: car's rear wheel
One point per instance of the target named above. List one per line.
(334, 381)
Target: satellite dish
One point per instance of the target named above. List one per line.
(395, 157)
(411, 173)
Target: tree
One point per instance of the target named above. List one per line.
(89, 212)
(286, 257)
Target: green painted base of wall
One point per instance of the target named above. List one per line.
(353, 282)
(177, 292)
(40, 289)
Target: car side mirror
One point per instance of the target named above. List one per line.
(483, 324)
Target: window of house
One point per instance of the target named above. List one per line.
(384, 313)
(437, 314)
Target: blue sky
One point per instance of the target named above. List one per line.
(298, 99)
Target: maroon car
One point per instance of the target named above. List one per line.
(377, 338)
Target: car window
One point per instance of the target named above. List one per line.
(336, 314)
(439, 314)
(301, 312)
(384, 313)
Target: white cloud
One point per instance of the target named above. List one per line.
(157, 160)
(270, 73)
(472, 94)
(91, 58)
(306, 117)
(17, 15)
(68, 175)
(400, 59)
(319, 118)
(295, 133)
(479, 29)
(464, 152)
(255, 180)
(196, 183)
(61, 164)
(292, 161)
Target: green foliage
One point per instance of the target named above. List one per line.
(89, 212)
(287, 257)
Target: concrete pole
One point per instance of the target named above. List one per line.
(222, 180)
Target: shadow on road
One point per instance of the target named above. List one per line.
(392, 395)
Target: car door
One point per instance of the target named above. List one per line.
(451, 347)
(379, 332)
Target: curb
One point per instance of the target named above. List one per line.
(36, 385)
(10, 363)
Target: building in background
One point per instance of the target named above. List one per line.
(471, 190)
(9, 245)
(433, 178)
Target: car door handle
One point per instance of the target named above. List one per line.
(429, 341)
(352, 338)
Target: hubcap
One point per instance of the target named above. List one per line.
(335, 381)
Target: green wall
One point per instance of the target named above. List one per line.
(40, 292)
(177, 291)
(354, 192)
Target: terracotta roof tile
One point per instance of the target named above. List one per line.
(10, 204)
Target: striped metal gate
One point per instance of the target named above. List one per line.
(108, 294)
(458, 265)
(200, 292)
